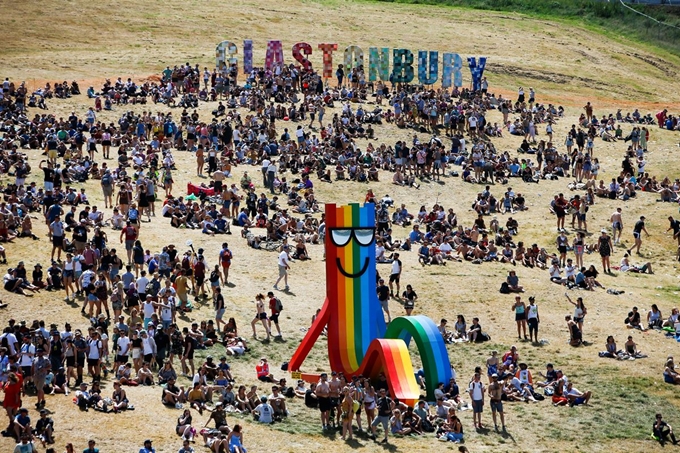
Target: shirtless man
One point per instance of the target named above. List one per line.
(617, 226)
(335, 389)
(323, 392)
(495, 392)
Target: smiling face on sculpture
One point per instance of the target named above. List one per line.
(343, 237)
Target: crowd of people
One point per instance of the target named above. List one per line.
(135, 301)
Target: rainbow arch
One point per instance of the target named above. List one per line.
(432, 349)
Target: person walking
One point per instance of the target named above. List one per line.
(284, 266)
(637, 234)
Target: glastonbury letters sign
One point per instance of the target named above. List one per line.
(403, 62)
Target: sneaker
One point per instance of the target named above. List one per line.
(286, 288)
(276, 287)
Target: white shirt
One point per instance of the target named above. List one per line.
(283, 258)
(27, 354)
(141, 284)
(477, 390)
(123, 345)
(265, 412)
(396, 267)
(148, 309)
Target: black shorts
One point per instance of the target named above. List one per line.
(562, 249)
(262, 315)
(92, 362)
(148, 358)
(335, 402)
(190, 355)
(533, 323)
(58, 241)
(200, 280)
(274, 318)
(71, 361)
(26, 371)
(324, 404)
(80, 361)
(122, 358)
(394, 278)
(520, 316)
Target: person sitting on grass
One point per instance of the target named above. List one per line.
(558, 398)
(196, 398)
(264, 413)
(662, 430)
(119, 398)
(670, 376)
(215, 441)
(278, 402)
(633, 320)
(173, 395)
(626, 266)
(575, 335)
(513, 283)
(44, 428)
(576, 397)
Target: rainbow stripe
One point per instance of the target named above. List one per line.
(358, 340)
(357, 322)
(430, 345)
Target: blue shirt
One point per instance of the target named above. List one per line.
(242, 218)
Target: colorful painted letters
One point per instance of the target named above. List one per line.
(402, 70)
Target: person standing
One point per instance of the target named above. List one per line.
(476, 391)
(533, 319)
(383, 292)
(57, 237)
(323, 395)
(284, 266)
(520, 317)
(271, 174)
(617, 225)
(260, 316)
(395, 275)
(225, 260)
(41, 367)
(495, 393)
(637, 234)
(605, 247)
(385, 405)
(218, 299)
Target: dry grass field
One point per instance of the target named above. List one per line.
(568, 65)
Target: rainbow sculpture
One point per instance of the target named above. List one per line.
(359, 342)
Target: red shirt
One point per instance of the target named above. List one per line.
(12, 394)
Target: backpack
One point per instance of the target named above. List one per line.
(505, 289)
(107, 180)
(278, 305)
